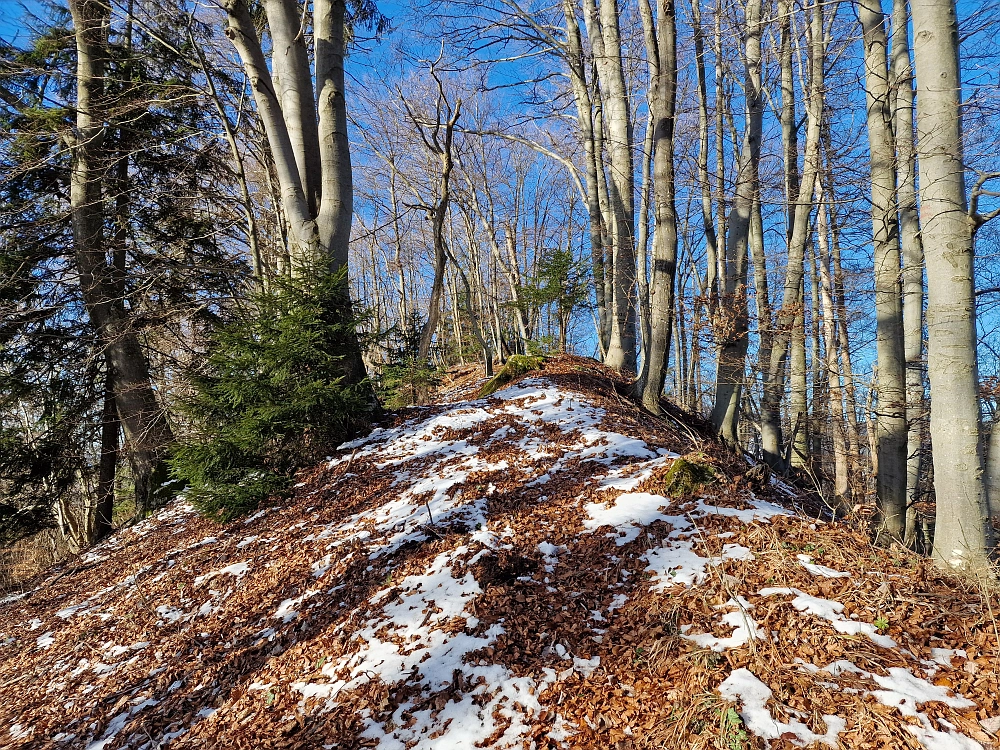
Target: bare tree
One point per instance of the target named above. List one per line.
(732, 333)
(963, 537)
(890, 423)
(661, 50)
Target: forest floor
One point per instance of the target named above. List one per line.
(516, 571)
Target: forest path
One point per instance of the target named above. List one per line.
(516, 571)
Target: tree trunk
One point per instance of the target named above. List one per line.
(605, 41)
(662, 53)
(963, 537)
(585, 119)
(147, 433)
(770, 405)
(798, 402)
(711, 240)
(642, 242)
(890, 424)
(791, 302)
(290, 69)
(841, 479)
(733, 312)
(440, 140)
(913, 258)
(107, 468)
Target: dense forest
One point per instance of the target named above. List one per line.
(234, 233)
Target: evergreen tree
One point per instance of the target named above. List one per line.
(272, 395)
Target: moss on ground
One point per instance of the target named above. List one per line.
(685, 477)
(516, 366)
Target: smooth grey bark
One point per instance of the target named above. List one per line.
(336, 209)
(762, 297)
(911, 247)
(711, 241)
(605, 40)
(318, 236)
(890, 423)
(293, 77)
(844, 344)
(585, 120)
(770, 405)
(963, 537)
(791, 302)
(642, 240)
(147, 433)
(841, 479)
(797, 451)
(304, 232)
(661, 43)
(733, 328)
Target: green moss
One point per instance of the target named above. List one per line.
(685, 477)
(515, 367)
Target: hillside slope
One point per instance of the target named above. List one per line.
(518, 571)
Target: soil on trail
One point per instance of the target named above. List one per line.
(517, 571)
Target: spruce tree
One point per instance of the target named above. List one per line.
(272, 395)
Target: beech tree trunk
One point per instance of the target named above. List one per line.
(147, 433)
(319, 216)
(605, 40)
(585, 120)
(791, 302)
(890, 424)
(912, 250)
(662, 54)
(733, 327)
(841, 479)
(963, 536)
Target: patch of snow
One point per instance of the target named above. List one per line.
(735, 552)
(676, 563)
(745, 628)
(17, 732)
(287, 609)
(236, 569)
(629, 513)
(743, 687)
(45, 640)
(550, 554)
(831, 612)
(820, 570)
(493, 698)
(168, 615)
(905, 691)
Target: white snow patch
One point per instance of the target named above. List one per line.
(676, 563)
(743, 687)
(820, 570)
(831, 612)
(431, 658)
(745, 628)
(236, 569)
(629, 513)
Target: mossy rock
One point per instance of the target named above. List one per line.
(516, 366)
(686, 476)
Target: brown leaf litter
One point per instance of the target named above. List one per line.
(448, 584)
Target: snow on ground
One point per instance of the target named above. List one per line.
(397, 621)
